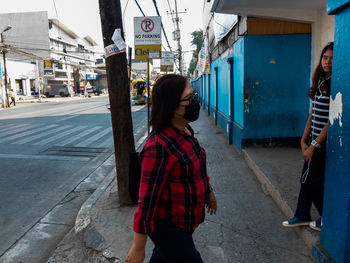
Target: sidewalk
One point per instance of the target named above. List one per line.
(278, 169)
(247, 227)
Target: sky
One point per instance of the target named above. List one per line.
(82, 17)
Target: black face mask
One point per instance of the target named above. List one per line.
(192, 109)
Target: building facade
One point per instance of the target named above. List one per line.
(256, 91)
(71, 59)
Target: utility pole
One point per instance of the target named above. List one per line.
(5, 69)
(179, 38)
(119, 97)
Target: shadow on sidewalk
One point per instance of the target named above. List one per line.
(247, 227)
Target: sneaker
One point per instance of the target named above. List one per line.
(316, 225)
(294, 222)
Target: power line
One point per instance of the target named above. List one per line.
(156, 7)
(124, 15)
(59, 29)
(140, 8)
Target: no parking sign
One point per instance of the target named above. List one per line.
(147, 36)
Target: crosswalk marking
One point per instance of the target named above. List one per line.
(80, 135)
(107, 142)
(44, 157)
(11, 127)
(94, 138)
(16, 136)
(13, 130)
(38, 136)
(60, 135)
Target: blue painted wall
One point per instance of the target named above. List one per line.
(271, 81)
(335, 236)
(222, 74)
(238, 79)
(276, 82)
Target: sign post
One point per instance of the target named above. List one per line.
(148, 45)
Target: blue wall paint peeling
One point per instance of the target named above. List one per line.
(335, 236)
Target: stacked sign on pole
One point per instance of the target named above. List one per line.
(203, 64)
(167, 62)
(148, 37)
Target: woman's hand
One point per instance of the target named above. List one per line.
(211, 204)
(135, 255)
(308, 153)
(303, 146)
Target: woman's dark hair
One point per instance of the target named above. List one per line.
(166, 94)
(319, 73)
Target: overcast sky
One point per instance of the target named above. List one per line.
(82, 16)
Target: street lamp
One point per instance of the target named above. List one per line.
(6, 29)
(4, 57)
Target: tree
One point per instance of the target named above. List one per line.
(197, 38)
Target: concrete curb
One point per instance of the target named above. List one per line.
(309, 239)
(83, 218)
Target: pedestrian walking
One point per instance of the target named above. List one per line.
(175, 188)
(313, 145)
(13, 99)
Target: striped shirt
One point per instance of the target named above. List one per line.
(320, 113)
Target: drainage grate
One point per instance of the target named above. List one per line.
(73, 151)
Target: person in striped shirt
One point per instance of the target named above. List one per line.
(174, 188)
(313, 145)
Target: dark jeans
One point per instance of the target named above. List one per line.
(312, 184)
(173, 245)
(13, 101)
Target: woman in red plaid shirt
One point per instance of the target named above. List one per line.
(174, 189)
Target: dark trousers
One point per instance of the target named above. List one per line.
(312, 184)
(173, 245)
(13, 101)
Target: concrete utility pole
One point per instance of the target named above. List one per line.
(5, 69)
(178, 39)
(119, 97)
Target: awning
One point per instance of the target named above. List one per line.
(302, 10)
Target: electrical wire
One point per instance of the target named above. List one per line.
(166, 37)
(124, 15)
(59, 29)
(140, 8)
(156, 7)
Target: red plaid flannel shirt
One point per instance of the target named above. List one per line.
(174, 183)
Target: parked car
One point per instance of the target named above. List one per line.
(63, 90)
(92, 89)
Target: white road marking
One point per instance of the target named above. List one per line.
(80, 135)
(11, 127)
(23, 134)
(38, 136)
(43, 157)
(58, 136)
(13, 130)
(94, 138)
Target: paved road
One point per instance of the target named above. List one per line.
(46, 150)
